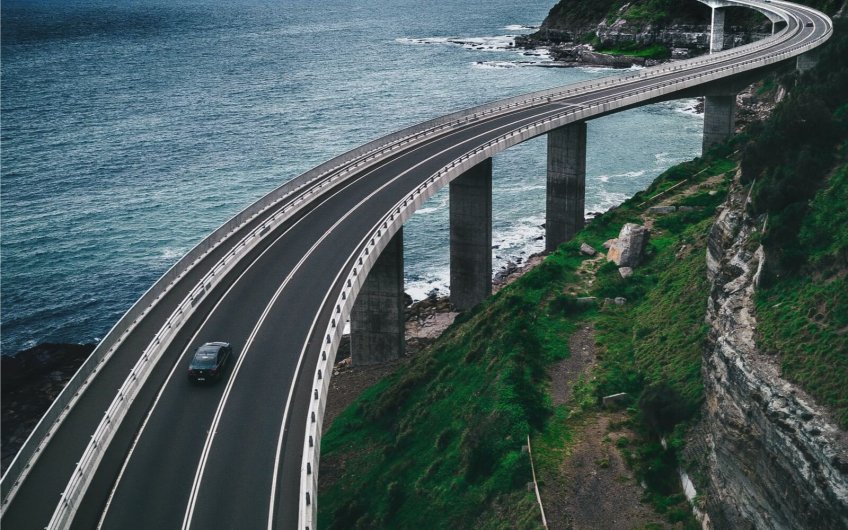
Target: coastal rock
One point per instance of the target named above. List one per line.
(31, 380)
(770, 456)
(628, 249)
(612, 61)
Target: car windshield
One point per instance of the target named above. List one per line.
(204, 359)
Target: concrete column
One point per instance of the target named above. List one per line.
(471, 236)
(807, 61)
(377, 322)
(717, 30)
(566, 195)
(719, 119)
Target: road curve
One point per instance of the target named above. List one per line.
(277, 282)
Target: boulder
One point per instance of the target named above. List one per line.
(628, 249)
(587, 249)
(625, 272)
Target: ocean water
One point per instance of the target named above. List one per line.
(132, 129)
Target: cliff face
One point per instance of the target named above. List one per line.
(773, 458)
(640, 23)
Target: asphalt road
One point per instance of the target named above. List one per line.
(228, 455)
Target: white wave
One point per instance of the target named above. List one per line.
(664, 160)
(686, 106)
(426, 40)
(604, 200)
(520, 27)
(595, 69)
(419, 289)
(496, 43)
(432, 209)
(171, 253)
(627, 174)
(495, 65)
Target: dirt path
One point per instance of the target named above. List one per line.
(593, 487)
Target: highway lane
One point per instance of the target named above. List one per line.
(234, 489)
(268, 364)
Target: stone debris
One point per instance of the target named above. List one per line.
(628, 249)
(587, 249)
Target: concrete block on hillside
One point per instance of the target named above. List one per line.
(586, 300)
(587, 249)
(662, 209)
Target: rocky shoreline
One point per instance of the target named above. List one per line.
(31, 380)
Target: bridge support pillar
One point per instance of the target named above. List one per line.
(566, 190)
(719, 119)
(717, 30)
(377, 322)
(471, 236)
(807, 61)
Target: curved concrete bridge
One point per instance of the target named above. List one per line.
(129, 444)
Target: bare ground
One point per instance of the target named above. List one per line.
(593, 487)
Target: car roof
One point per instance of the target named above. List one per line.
(220, 344)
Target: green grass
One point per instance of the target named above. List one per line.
(656, 51)
(439, 444)
(804, 317)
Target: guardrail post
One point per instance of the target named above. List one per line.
(566, 190)
(471, 236)
(377, 321)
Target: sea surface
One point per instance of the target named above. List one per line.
(132, 129)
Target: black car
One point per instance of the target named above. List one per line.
(209, 361)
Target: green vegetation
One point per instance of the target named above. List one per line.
(796, 161)
(439, 444)
(448, 431)
(657, 51)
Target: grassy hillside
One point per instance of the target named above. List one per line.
(440, 444)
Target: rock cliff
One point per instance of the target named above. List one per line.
(771, 457)
(639, 24)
